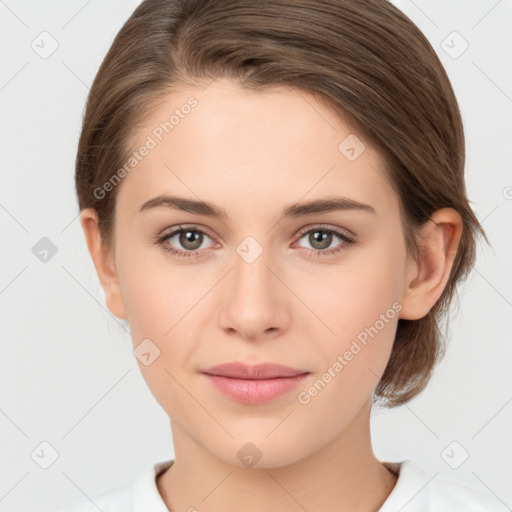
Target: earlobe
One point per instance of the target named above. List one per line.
(427, 278)
(103, 262)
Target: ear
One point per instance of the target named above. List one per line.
(103, 260)
(426, 279)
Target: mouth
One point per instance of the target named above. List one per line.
(254, 384)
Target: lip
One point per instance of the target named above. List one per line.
(238, 370)
(254, 384)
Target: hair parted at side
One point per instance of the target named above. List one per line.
(367, 61)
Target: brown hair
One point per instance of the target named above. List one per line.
(366, 60)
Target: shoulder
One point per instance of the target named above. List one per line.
(421, 491)
(139, 494)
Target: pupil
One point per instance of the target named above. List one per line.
(323, 241)
(191, 239)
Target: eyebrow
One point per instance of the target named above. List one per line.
(327, 204)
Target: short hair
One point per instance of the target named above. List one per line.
(366, 61)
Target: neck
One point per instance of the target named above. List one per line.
(344, 475)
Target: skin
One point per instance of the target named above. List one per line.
(253, 153)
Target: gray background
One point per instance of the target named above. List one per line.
(68, 375)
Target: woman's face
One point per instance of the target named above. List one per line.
(265, 281)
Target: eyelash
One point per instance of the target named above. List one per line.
(348, 241)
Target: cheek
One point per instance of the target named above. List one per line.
(359, 308)
(163, 304)
(353, 359)
(156, 292)
(352, 296)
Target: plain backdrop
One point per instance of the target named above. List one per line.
(70, 386)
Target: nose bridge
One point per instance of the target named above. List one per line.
(251, 275)
(252, 303)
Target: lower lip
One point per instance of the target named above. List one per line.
(252, 391)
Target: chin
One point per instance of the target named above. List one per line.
(258, 452)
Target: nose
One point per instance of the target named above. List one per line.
(255, 303)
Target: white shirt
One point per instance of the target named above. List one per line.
(415, 491)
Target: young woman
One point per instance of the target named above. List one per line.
(273, 196)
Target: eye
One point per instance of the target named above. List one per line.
(188, 241)
(320, 239)
(191, 239)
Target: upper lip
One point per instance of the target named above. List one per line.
(239, 370)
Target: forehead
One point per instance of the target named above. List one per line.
(227, 144)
